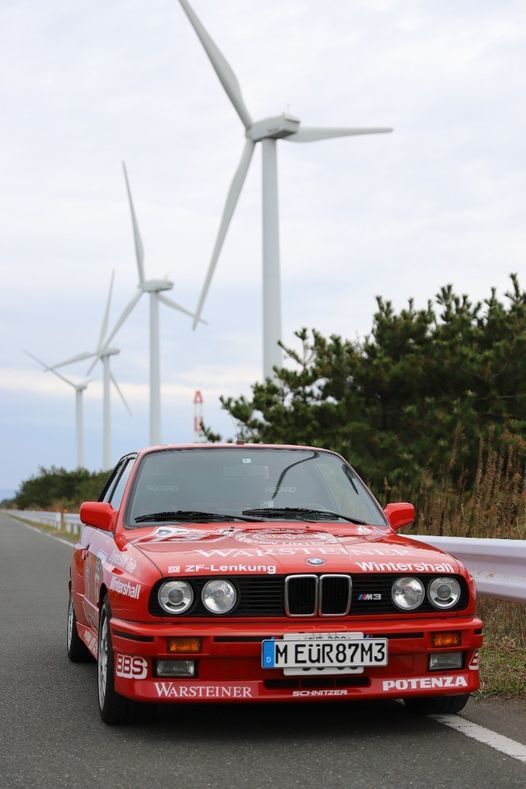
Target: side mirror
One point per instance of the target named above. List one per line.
(400, 514)
(98, 514)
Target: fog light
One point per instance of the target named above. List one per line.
(446, 639)
(445, 660)
(184, 645)
(175, 668)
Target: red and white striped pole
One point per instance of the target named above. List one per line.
(198, 417)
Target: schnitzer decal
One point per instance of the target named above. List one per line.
(410, 567)
(320, 693)
(424, 683)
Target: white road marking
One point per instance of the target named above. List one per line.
(40, 531)
(496, 741)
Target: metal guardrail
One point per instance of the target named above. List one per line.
(498, 566)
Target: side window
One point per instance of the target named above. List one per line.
(116, 493)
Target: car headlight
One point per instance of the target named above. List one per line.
(444, 592)
(219, 596)
(175, 597)
(407, 593)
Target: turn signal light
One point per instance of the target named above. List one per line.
(446, 639)
(184, 645)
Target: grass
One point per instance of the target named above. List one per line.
(72, 538)
(503, 656)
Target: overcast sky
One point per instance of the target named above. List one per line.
(87, 84)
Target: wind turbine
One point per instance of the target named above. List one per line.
(79, 407)
(102, 353)
(266, 131)
(155, 288)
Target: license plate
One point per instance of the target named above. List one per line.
(327, 653)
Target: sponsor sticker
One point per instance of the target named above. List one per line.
(125, 588)
(474, 662)
(424, 683)
(269, 569)
(282, 537)
(320, 693)
(131, 667)
(410, 567)
(173, 690)
(122, 561)
(91, 641)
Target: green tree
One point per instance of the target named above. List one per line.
(412, 401)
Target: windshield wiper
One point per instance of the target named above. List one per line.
(189, 515)
(301, 513)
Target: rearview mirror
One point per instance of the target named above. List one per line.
(98, 514)
(400, 514)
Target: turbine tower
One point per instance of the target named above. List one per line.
(102, 353)
(79, 407)
(155, 288)
(267, 132)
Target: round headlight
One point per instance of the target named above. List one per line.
(219, 596)
(444, 592)
(407, 593)
(175, 597)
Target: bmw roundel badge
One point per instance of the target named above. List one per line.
(315, 560)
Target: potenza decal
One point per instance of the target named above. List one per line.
(269, 569)
(131, 667)
(424, 683)
(319, 693)
(170, 690)
(125, 588)
(398, 567)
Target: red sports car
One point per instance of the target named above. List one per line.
(248, 572)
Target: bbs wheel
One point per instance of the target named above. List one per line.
(438, 705)
(75, 647)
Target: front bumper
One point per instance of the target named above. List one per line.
(229, 663)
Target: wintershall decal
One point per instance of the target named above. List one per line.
(125, 588)
(399, 567)
(424, 683)
(171, 690)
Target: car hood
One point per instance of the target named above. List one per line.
(278, 548)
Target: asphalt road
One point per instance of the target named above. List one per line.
(51, 734)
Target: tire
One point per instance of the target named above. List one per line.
(75, 647)
(437, 705)
(114, 708)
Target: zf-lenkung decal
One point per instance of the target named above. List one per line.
(269, 569)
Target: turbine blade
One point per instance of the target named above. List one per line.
(79, 358)
(315, 133)
(126, 311)
(50, 369)
(92, 365)
(139, 249)
(117, 387)
(175, 306)
(104, 325)
(228, 211)
(223, 70)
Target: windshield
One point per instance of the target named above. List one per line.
(249, 483)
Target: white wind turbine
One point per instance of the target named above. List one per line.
(155, 288)
(266, 131)
(79, 407)
(102, 353)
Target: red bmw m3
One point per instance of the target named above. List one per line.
(247, 573)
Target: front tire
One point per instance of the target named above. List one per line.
(75, 647)
(114, 708)
(437, 705)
